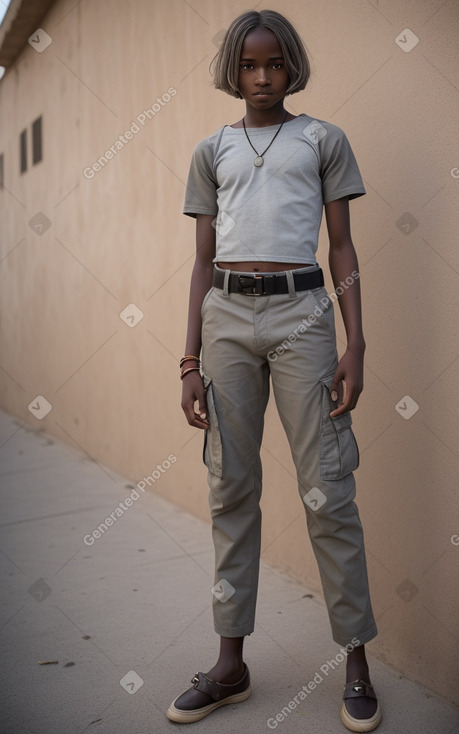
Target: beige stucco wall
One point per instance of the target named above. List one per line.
(120, 238)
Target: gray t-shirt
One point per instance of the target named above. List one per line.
(271, 213)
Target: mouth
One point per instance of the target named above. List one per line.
(262, 94)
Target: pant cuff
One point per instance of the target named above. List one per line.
(234, 631)
(363, 637)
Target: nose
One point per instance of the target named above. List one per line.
(262, 77)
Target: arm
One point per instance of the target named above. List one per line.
(343, 262)
(201, 281)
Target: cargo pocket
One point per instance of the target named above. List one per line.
(212, 454)
(339, 454)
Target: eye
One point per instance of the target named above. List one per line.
(247, 67)
(277, 66)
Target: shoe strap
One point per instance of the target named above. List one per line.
(219, 691)
(359, 688)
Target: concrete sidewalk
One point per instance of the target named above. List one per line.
(128, 618)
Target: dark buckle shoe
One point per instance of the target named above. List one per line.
(205, 696)
(359, 689)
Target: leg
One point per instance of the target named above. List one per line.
(357, 666)
(237, 384)
(357, 670)
(325, 454)
(230, 665)
(237, 393)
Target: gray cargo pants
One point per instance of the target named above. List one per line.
(291, 337)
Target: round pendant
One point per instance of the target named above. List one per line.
(258, 161)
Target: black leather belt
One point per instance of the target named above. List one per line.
(267, 284)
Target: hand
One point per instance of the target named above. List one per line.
(193, 391)
(347, 382)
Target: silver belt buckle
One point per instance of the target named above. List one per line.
(244, 288)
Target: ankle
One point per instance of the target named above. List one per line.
(354, 674)
(357, 666)
(227, 670)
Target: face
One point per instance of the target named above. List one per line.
(263, 77)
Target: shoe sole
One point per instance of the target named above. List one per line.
(189, 717)
(360, 725)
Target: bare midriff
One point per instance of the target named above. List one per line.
(261, 267)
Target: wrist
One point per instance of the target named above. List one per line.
(188, 370)
(189, 363)
(357, 346)
(189, 359)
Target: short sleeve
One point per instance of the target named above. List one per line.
(201, 188)
(339, 170)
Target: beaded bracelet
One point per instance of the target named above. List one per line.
(189, 369)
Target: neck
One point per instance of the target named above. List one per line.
(263, 118)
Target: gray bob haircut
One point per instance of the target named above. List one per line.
(224, 67)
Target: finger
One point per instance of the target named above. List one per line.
(347, 404)
(194, 403)
(189, 412)
(195, 420)
(202, 406)
(200, 423)
(201, 419)
(337, 391)
(344, 408)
